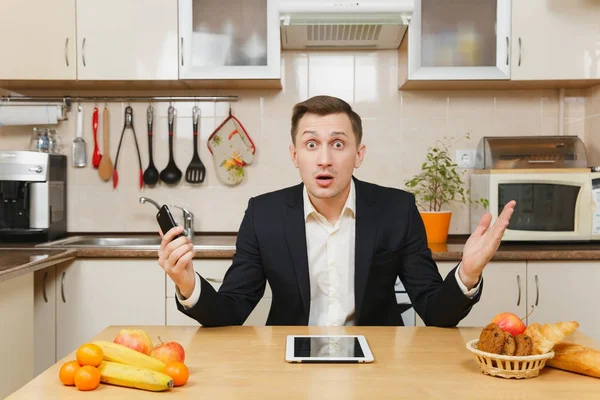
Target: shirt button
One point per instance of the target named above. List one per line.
(331, 263)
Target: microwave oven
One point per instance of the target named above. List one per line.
(551, 204)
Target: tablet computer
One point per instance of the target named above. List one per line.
(328, 349)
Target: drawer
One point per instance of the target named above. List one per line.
(258, 317)
(213, 271)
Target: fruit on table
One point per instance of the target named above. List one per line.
(510, 323)
(89, 354)
(66, 374)
(135, 377)
(136, 339)
(87, 378)
(178, 371)
(168, 352)
(125, 355)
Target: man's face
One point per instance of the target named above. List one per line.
(326, 153)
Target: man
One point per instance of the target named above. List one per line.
(332, 247)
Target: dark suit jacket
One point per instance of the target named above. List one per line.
(390, 242)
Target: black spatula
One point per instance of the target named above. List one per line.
(196, 171)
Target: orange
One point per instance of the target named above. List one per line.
(87, 378)
(178, 371)
(67, 372)
(90, 354)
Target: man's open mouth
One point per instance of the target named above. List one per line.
(324, 177)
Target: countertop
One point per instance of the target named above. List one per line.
(249, 362)
(20, 260)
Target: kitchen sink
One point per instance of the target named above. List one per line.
(146, 242)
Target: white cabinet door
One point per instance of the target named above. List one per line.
(229, 39)
(213, 270)
(258, 316)
(127, 40)
(565, 291)
(16, 333)
(459, 40)
(504, 290)
(93, 294)
(555, 40)
(37, 39)
(45, 319)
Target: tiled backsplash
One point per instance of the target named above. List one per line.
(398, 127)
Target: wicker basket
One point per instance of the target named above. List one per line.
(518, 367)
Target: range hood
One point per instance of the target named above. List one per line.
(331, 24)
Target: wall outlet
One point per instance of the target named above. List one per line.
(465, 158)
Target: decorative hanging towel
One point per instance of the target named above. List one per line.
(232, 149)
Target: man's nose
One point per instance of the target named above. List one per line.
(324, 158)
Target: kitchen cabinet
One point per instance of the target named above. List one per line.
(16, 333)
(37, 39)
(214, 271)
(44, 319)
(127, 40)
(95, 293)
(504, 290)
(258, 316)
(563, 44)
(565, 291)
(229, 39)
(460, 40)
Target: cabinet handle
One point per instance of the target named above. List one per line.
(519, 286)
(507, 50)
(62, 287)
(182, 50)
(537, 290)
(214, 280)
(83, 52)
(44, 293)
(67, 51)
(519, 64)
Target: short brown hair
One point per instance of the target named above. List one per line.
(325, 105)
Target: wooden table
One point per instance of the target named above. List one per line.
(249, 363)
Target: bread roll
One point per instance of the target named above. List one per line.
(546, 336)
(575, 358)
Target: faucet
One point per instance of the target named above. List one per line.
(188, 217)
(144, 200)
(188, 222)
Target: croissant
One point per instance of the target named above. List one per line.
(545, 336)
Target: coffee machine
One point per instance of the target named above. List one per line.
(33, 196)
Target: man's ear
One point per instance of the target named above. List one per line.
(360, 155)
(293, 155)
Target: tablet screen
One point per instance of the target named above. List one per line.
(332, 346)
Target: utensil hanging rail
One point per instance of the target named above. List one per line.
(68, 100)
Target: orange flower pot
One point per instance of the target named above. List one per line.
(437, 224)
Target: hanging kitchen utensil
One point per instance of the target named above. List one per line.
(128, 124)
(232, 149)
(196, 171)
(96, 156)
(151, 173)
(79, 157)
(105, 169)
(171, 174)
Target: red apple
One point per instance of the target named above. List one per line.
(168, 352)
(136, 339)
(510, 323)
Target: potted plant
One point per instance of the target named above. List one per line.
(437, 185)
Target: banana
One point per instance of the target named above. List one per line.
(135, 377)
(124, 355)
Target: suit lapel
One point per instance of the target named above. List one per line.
(366, 232)
(295, 234)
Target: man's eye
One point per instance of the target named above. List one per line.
(338, 145)
(311, 145)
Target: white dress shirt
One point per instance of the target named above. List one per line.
(331, 266)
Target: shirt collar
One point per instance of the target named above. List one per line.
(349, 205)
